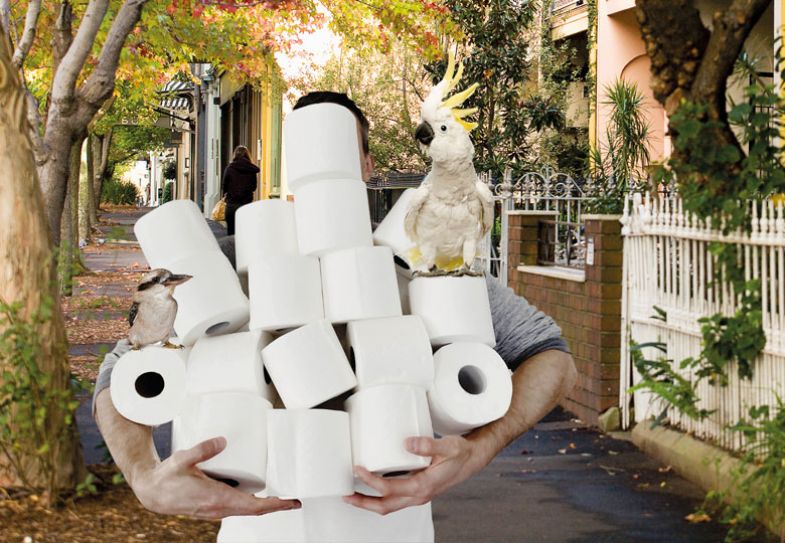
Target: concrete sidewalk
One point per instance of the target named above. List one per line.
(560, 482)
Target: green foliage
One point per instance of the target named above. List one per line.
(497, 36)
(35, 416)
(168, 193)
(135, 141)
(119, 192)
(759, 482)
(87, 487)
(661, 379)
(620, 164)
(169, 171)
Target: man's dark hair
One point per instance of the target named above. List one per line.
(322, 97)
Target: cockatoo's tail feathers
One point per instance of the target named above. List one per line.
(414, 256)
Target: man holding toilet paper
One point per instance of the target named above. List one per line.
(528, 341)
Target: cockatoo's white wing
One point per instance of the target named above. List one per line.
(486, 198)
(415, 207)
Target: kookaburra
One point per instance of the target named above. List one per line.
(452, 210)
(152, 314)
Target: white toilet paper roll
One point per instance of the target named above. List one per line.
(309, 453)
(264, 228)
(472, 387)
(382, 417)
(148, 385)
(286, 292)
(391, 350)
(331, 520)
(321, 142)
(241, 418)
(212, 302)
(277, 527)
(359, 283)
(391, 232)
(173, 231)
(229, 363)
(332, 215)
(308, 366)
(453, 308)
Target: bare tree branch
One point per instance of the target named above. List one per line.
(5, 16)
(100, 84)
(64, 84)
(28, 35)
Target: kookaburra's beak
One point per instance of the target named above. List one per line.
(424, 133)
(174, 280)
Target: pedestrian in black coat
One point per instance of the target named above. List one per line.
(238, 184)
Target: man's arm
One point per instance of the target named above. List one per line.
(175, 485)
(538, 386)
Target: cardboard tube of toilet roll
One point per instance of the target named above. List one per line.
(285, 292)
(382, 417)
(321, 142)
(331, 215)
(174, 231)
(308, 366)
(472, 386)
(359, 283)
(239, 417)
(229, 363)
(453, 309)
(212, 302)
(264, 228)
(148, 385)
(309, 453)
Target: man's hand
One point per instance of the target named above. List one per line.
(455, 459)
(177, 487)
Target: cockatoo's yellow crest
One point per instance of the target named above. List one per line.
(447, 84)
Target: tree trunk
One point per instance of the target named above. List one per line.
(27, 275)
(69, 224)
(91, 202)
(85, 192)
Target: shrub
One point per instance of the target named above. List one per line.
(168, 190)
(169, 170)
(119, 192)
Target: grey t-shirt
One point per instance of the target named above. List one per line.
(521, 330)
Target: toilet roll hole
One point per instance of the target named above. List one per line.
(396, 474)
(149, 385)
(352, 362)
(216, 328)
(401, 262)
(472, 379)
(267, 379)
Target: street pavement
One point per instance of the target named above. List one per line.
(559, 482)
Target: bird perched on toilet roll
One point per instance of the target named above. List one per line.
(154, 309)
(452, 210)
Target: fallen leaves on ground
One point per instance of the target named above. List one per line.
(697, 518)
(114, 514)
(90, 331)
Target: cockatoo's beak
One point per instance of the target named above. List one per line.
(424, 133)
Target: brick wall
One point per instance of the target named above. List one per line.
(586, 306)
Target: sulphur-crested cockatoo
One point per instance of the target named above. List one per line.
(452, 210)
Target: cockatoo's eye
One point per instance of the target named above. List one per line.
(444, 128)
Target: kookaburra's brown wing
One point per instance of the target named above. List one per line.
(132, 313)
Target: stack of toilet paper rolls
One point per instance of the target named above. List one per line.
(299, 402)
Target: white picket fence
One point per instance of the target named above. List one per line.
(667, 264)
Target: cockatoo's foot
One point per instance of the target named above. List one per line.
(433, 272)
(136, 347)
(168, 345)
(467, 272)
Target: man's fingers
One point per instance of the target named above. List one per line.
(270, 505)
(225, 501)
(415, 485)
(381, 506)
(201, 452)
(427, 446)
